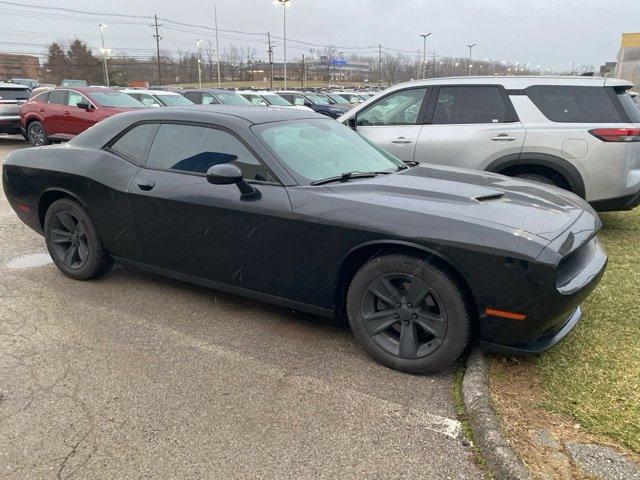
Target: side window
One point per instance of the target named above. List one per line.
(468, 105)
(574, 104)
(208, 99)
(400, 108)
(255, 100)
(74, 98)
(191, 148)
(298, 100)
(136, 142)
(41, 98)
(58, 97)
(149, 101)
(195, 97)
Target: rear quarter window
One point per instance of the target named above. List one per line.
(630, 106)
(574, 104)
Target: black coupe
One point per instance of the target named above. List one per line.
(293, 208)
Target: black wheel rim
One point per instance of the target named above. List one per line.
(36, 134)
(404, 315)
(69, 240)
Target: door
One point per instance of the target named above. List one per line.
(470, 126)
(188, 225)
(52, 114)
(394, 122)
(75, 119)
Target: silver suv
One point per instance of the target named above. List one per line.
(12, 95)
(578, 133)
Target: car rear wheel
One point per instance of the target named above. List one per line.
(536, 177)
(408, 314)
(36, 134)
(72, 241)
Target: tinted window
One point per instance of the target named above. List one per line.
(58, 97)
(135, 143)
(230, 98)
(400, 108)
(194, 97)
(112, 98)
(630, 106)
(195, 149)
(74, 98)
(467, 105)
(274, 99)
(173, 100)
(42, 97)
(14, 93)
(569, 104)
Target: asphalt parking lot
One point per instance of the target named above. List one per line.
(137, 376)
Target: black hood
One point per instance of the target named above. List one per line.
(524, 207)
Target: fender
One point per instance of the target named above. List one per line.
(560, 165)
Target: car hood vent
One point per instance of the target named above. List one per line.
(490, 197)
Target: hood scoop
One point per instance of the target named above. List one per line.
(490, 197)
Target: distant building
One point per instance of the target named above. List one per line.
(19, 66)
(313, 71)
(628, 66)
(607, 69)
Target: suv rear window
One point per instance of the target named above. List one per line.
(630, 106)
(14, 93)
(572, 104)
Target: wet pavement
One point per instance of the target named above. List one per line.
(138, 376)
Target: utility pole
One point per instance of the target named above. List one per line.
(104, 55)
(424, 54)
(215, 15)
(469, 64)
(303, 73)
(157, 36)
(434, 65)
(379, 66)
(270, 52)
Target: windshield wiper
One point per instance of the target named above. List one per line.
(346, 176)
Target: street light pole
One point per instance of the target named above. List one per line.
(469, 64)
(104, 55)
(199, 66)
(285, 4)
(424, 54)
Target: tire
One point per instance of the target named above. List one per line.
(37, 135)
(418, 338)
(72, 241)
(536, 177)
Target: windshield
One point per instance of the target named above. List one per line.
(174, 100)
(316, 99)
(14, 93)
(73, 83)
(277, 100)
(232, 98)
(115, 99)
(338, 99)
(630, 106)
(318, 149)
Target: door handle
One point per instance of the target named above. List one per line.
(41, 110)
(503, 137)
(401, 141)
(146, 185)
(66, 112)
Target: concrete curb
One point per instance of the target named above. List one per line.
(500, 458)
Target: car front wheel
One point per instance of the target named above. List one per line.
(408, 314)
(36, 134)
(73, 242)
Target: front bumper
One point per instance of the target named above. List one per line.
(626, 202)
(539, 345)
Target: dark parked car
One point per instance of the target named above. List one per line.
(314, 102)
(63, 113)
(12, 95)
(213, 96)
(296, 209)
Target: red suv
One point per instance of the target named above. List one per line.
(63, 113)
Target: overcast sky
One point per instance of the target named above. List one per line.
(551, 33)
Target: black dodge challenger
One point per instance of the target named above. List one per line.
(296, 209)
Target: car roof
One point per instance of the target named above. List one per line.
(87, 90)
(256, 92)
(518, 82)
(207, 90)
(150, 92)
(13, 85)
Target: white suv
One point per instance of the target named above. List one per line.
(579, 133)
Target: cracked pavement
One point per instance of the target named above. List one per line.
(138, 376)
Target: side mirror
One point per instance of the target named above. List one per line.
(84, 105)
(352, 122)
(227, 174)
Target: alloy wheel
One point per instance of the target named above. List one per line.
(36, 134)
(404, 315)
(69, 240)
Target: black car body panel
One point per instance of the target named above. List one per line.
(517, 246)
